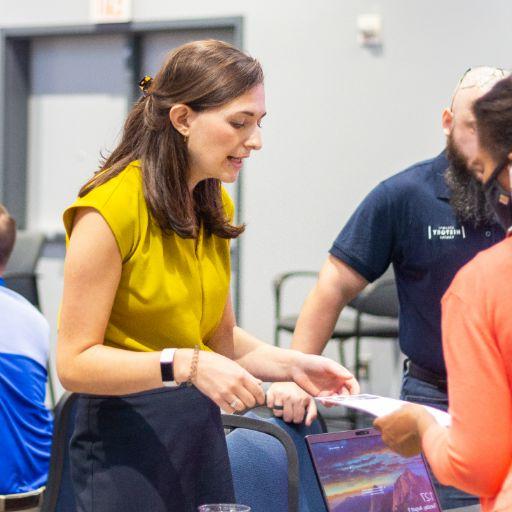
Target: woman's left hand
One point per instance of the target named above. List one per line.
(320, 376)
(401, 430)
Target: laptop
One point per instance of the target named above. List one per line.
(357, 472)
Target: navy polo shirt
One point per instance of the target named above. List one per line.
(407, 221)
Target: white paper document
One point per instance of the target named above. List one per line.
(380, 405)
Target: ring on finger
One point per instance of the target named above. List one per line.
(234, 403)
(278, 407)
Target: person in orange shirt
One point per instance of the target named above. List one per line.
(475, 453)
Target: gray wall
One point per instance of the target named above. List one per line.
(341, 117)
(72, 116)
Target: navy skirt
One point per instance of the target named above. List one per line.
(163, 450)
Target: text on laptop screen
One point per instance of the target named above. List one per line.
(362, 474)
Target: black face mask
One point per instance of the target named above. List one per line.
(499, 198)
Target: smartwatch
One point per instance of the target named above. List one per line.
(167, 367)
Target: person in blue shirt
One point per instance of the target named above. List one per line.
(427, 221)
(25, 422)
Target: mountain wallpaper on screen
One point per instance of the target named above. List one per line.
(365, 476)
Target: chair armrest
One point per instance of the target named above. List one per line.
(280, 279)
(278, 283)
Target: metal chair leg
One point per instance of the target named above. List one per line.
(277, 314)
(276, 336)
(341, 350)
(357, 348)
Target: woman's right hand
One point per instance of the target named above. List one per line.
(229, 385)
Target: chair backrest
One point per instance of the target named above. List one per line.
(272, 471)
(59, 495)
(379, 298)
(20, 273)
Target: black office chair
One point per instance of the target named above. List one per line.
(20, 274)
(374, 314)
(59, 496)
(377, 309)
(343, 330)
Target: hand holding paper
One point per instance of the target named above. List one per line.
(401, 423)
(403, 429)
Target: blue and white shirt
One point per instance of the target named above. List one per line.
(25, 423)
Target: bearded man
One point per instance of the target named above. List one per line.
(427, 221)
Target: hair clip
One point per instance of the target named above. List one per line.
(145, 83)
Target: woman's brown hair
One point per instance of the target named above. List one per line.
(493, 112)
(203, 75)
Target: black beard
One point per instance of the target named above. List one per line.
(468, 198)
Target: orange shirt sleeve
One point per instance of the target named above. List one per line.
(474, 454)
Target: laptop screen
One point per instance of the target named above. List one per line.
(357, 473)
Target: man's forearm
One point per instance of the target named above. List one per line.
(315, 324)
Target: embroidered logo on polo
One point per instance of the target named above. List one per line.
(446, 232)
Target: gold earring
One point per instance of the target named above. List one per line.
(185, 138)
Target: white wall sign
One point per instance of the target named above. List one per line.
(369, 30)
(111, 11)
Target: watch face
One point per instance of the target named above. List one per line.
(167, 369)
(166, 365)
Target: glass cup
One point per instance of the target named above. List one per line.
(224, 507)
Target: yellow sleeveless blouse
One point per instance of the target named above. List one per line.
(173, 290)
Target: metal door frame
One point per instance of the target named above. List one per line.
(15, 49)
